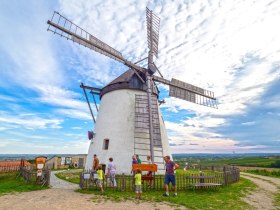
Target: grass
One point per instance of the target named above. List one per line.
(240, 161)
(221, 198)
(277, 199)
(264, 172)
(70, 168)
(9, 183)
(72, 176)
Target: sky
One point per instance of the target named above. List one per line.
(230, 47)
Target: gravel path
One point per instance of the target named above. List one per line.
(61, 184)
(263, 197)
(58, 199)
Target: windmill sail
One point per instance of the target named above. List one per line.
(66, 28)
(152, 31)
(188, 92)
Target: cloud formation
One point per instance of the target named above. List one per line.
(228, 47)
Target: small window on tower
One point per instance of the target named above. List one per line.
(106, 144)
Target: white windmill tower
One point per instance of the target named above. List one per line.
(129, 120)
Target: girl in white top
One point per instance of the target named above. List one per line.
(112, 172)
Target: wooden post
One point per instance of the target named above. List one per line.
(122, 183)
(201, 179)
(81, 180)
(225, 176)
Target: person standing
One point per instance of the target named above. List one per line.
(138, 183)
(134, 161)
(150, 173)
(95, 163)
(111, 172)
(138, 159)
(100, 175)
(149, 159)
(169, 175)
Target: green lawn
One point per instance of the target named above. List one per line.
(70, 175)
(10, 183)
(220, 198)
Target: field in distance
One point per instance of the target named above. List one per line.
(261, 160)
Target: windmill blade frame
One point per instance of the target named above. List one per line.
(189, 92)
(153, 24)
(62, 26)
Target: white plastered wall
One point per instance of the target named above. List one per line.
(115, 121)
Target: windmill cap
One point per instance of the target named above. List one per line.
(127, 80)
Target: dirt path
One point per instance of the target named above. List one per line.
(57, 199)
(263, 197)
(62, 196)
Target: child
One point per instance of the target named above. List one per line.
(138, 183)
(150, 173)
(100, 174)
(112, 172)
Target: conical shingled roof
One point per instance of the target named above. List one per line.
(128, 80)
(125, 77)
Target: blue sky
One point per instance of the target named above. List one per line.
(230, 47)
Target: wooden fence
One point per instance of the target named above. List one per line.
(222, 177)
(31, 176)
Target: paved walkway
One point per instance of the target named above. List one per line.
(57, 183)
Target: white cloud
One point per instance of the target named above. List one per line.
(69, 101)
(7, 98)
(227, 47)
(76, 128)
(72, 113)
(249, 123)
(60, 97)
(29, 121)
(3, 128)
(42, 147)
(28, 47)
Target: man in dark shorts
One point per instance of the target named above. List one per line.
(169, 175)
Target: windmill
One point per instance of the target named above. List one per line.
(129, 119)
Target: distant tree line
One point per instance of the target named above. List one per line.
(276, 164)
